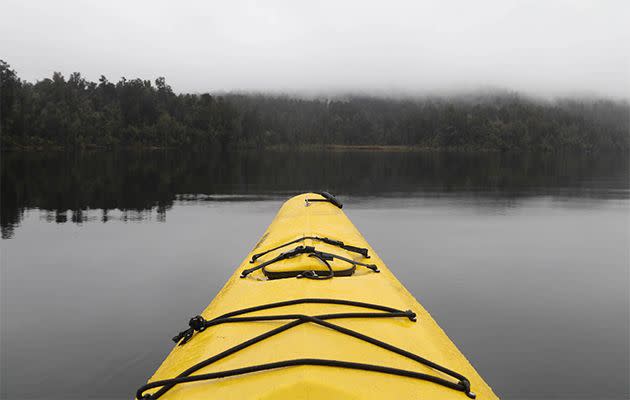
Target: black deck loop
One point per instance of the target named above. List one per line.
(327, 197)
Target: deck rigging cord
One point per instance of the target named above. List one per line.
(324, 256)
(199, 324)
(360, 250)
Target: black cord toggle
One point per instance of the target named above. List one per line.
(197, 323)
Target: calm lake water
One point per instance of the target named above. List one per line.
(522, 259)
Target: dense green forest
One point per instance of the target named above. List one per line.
(74, 112)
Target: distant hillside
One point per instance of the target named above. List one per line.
(73, 112)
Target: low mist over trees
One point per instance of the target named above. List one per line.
(74, 112)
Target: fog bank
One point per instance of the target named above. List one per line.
(554, 48)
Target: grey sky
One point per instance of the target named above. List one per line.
(539, 47)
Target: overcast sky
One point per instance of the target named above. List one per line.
(538, 47)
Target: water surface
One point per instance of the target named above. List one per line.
(522, 259)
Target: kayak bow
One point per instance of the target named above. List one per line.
(313, 313)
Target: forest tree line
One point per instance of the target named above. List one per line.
(74, 112)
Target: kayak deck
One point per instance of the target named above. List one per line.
(316, 358)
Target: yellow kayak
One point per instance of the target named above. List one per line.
(314, 313)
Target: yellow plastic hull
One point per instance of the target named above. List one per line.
(424, 337)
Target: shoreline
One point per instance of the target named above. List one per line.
(284, 147)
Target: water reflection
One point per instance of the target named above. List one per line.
(69, 186)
